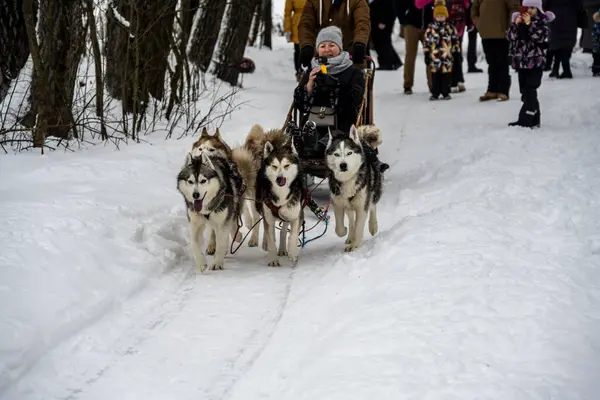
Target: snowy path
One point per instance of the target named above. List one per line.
(482, 283)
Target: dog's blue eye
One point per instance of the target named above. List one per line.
(336, 154)
(349, 153)
(203, 181)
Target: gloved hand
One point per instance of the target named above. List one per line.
(306, 55)
(288, 36)
(359, 52)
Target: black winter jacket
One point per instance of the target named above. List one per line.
(409, 14)
(350, 95)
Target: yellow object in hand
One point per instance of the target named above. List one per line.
(324, 68)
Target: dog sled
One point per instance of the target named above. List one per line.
(314, 164)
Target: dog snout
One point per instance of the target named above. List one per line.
(196, 195)
(343, 166)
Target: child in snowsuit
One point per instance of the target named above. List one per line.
(528, 37)
(596, 47)
(440, 47)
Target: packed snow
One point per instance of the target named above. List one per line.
(483, 282)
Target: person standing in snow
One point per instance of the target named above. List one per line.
(457, 15)
(415, 22)
(351, 16)
(291, 18)
(441, 48)
(563, 34)
(596, 44)
(472, 46)
(383, 16)
(528, 36)
(492, 18)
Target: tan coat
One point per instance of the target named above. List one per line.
(492, 17)
(291, 17)
(352, 17)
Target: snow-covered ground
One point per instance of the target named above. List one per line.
(483, 283)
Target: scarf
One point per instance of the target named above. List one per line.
(335, 65)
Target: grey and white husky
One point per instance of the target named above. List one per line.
(280, 196)
(355, 184)
(212, 198)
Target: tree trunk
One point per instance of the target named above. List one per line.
(255, 24)
(138, 45)
(267, 23)
(55, 72)
(14, 45)
(234, 40)
(205, 33)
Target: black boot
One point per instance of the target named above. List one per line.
(371, 157)
(555, 65)
(565, 61)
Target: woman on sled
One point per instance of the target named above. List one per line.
(330, 95)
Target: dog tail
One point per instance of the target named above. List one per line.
(245, 161)
(255, 138)
(370, 134)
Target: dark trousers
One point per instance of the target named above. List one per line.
(529, 82)
(562, 58)
(387, 57)
(457, 69)
(440, 83)
(596, 64)
(297, 57)
(472, 48)
(496, 55)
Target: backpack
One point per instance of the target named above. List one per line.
(457, 11)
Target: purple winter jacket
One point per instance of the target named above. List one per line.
(528, 43)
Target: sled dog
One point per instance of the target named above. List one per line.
(211, 195)
(355, 185)
(280, 194)
(245, 167)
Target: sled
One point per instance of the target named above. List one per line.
(315, 166)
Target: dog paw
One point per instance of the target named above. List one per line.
(202, 268)
(274, 263)
(350, 248)
(253, 243)
(216, 267)
(294, 259)
(341, 231)
(282, 253)
(210, 250)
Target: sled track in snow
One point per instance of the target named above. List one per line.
(249, 353)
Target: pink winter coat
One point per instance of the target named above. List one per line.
(460, 27)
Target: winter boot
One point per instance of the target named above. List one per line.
(488, 96)
(565, 60)
(461, 87)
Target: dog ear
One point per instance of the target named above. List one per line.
(268, 149)
(354, 134)
(188, 159)
(204, 132)
(207, 161)
(217, 134)
(330, 140)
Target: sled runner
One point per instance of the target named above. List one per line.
(314, 163)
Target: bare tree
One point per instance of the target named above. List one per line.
(205, 33)
(234, 40)
(255, 24)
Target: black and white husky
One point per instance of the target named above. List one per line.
(354, 183)
(212, 198)
(280, 197)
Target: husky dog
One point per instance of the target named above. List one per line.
(211, 197)
(245, 167)
(354, 183)
(280, 196)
